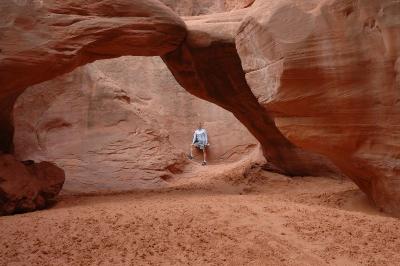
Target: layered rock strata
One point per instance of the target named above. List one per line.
(205, 7)
(121, 124)
(328, 71)
(40, 40)
(208, 66)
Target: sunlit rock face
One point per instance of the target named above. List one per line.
(121, 124)
(328, 71)
(203, 7)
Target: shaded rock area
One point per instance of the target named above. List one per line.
(328, 73)
(208, 66)
(27, 186)
(40, 40)
(121, 124)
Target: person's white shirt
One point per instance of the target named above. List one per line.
(200, 136)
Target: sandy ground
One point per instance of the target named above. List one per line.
(213, 219)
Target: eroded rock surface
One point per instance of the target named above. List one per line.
(322, 80)
(327, 71)
(203, 7)
(208, 66)
(121, 124)
(40, 40)
(27, 186)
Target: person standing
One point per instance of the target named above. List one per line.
(200, 141)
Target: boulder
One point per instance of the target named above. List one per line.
(27, 186)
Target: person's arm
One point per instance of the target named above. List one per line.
(194, 138)
(205, 133)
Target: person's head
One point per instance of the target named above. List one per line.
(200, 125)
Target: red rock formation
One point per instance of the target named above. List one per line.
(29, 186)
(121, 124)
(40, 40)
(208, 66)
(57, 36)
(203, 7)
(109, 127)
(327, 72)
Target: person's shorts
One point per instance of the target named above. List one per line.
(199, 145)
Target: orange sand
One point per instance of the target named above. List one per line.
(221, 221)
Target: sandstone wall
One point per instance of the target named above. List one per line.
(328, 72)
(315, 82)
(40, 40)
(203, 7)
(121, 124)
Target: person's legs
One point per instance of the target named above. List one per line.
(191, 151)
(204, 156)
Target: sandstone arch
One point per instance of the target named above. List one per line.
(59, 36)
(55, 37)
(147, 24)
(331, 74)
(123, 124)
(208, 65)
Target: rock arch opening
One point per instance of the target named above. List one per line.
(121, 124)
(202, 53)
